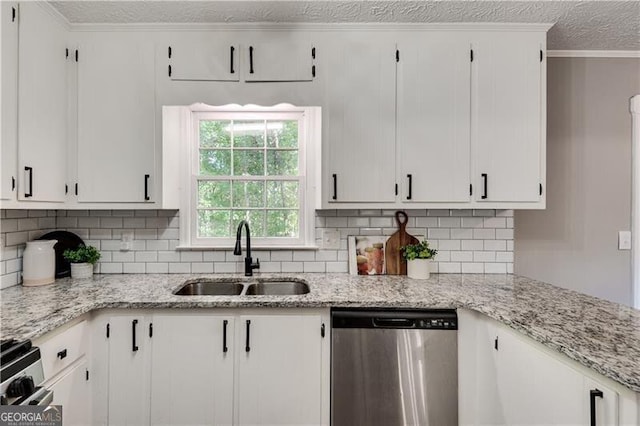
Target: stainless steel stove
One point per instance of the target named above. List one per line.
(21, 375)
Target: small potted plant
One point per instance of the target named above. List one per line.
(418, 258)
(82, 260)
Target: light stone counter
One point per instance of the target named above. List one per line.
(601, 335)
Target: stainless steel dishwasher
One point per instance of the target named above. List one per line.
(394, 367)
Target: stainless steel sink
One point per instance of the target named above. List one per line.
(210, 288)
(259, 287)
(277, 288)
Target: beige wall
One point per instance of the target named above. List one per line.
(574, 242)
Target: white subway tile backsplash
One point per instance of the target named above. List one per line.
(484, 234)
(467, 240)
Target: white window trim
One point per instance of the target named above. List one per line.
(182, 134)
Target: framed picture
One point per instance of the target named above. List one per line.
(366, 254)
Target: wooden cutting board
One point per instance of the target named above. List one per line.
(395, 263)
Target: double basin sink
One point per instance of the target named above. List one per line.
(257, 287)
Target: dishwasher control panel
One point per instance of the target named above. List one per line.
(436, 319)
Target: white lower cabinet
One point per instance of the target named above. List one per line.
(192, 369)
(506, 378)
(221, 367)
(72, 391)
(120, 368)
(280, 370)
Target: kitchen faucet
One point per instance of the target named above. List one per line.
(249, 266)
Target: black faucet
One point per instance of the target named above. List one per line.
(249, 266)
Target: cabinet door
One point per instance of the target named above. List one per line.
(605, 400)
(534, 388)
(128, 376)
(204, 61)
(116, 121)
(359, 122)
(507, 116)
(280, 370)
(278, 60)
(73, 392)
(9, 98)
(434, 118)
(192, 370)
(42, 106)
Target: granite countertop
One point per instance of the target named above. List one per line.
(601, 335)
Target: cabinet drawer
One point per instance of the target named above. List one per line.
(62, 349)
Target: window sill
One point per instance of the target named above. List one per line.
(185, 247)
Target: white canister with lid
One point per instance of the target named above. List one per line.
(39, 263)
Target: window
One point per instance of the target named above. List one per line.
(255, 164)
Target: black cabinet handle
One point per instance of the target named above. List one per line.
(410, 177)
(233, 49)
(224, 336)
(62, 354)
(146, 187)
(335, 186)
(30, 170)
(593, 394)
(250, 59)
(134, 346)
(13, 14)
(485, 179)
(247, 346)
(13, 183)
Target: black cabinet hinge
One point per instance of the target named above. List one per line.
(322, 330)
(13, 183)
(169, 70)
(540, 189)
(87, 375)
(76, 188)
(150, 329)
(169, 52)
(313, 71)
(495, 343)
(541, 55)
(13, 14)
(108, 330)
(76, 55)
(396, 189)
(471, 55)
(470, 189)
(397, 55)
(66, 53)
(313, 53)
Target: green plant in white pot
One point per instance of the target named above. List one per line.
(418, 258)
(82, 260)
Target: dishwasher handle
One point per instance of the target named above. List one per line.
(393, 322)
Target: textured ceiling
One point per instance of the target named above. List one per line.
(579, 25)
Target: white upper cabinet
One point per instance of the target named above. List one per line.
(210, 60)
(116, 121)
(508, 116)
(9, 99)
(433, 118)
(359, 120)
(278, 58)
(42, 107)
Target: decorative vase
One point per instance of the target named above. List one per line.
(419, 268)
(39, 263)
(81, 270)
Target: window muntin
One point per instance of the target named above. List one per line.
(248, 166)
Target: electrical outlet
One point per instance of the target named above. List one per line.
(331, 239)
(127, 241)
(624, 240)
